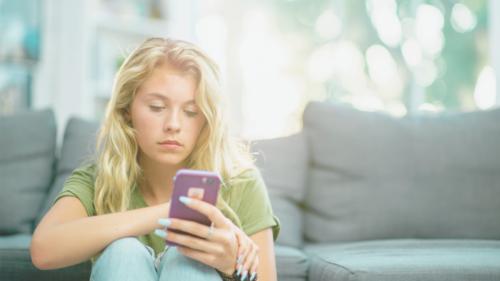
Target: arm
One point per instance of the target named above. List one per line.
(267, 263)
(67, 236)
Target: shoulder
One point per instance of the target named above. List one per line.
(80, 184)
(246, 184)
(88, 169)
(82, 176)
(249, 198)
(246, 176)
(245, 179)
(84, 173)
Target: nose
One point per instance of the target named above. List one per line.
(172, 122)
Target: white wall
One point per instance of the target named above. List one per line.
(60, 78)
(181, 19)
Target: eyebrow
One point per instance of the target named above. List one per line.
(163, 97)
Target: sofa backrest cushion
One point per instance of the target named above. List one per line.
(27, 156)
(78, 147)
(283, 163)
(377, 177)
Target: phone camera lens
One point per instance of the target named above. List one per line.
(205, 180)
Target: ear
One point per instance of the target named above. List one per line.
(127, 116)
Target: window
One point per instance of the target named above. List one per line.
(390, 55)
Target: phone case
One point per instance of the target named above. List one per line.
(203, 185)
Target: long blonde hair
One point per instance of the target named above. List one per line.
(117, 149)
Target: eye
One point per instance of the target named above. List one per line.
(156, 108)
(191, 113)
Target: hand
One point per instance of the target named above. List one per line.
(248, 255)
(215, 246)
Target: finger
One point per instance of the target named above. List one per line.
(194, 243)
(202, 257)
(242, 249)
(192, 227)
(209, 210)
(249, 260)
(253, 268)
(244, 256)
(242, 246)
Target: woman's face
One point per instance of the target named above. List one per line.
(165, 117)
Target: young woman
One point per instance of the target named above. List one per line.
(165, 114)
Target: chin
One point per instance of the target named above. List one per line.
(171, 160)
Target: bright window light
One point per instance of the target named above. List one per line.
(462, 18)
(485, 90)
(429, 25)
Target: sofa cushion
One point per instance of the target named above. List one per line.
(423, 260)
(16, 265)
(27, 156)
(78, 147)
(16, 241)
(373, 176)
(292, 221)
(291, 263)
(283, 163)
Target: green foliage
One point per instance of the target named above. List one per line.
(458, 63)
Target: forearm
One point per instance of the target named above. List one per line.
(77, 241)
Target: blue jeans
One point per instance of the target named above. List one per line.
(129, 259)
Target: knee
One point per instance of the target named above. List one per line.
(124, 259)
(128, 248)
(126, 243)
(175, 266)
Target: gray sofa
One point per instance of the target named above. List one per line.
(369, 197)
(361, 196)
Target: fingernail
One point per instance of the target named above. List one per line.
(161, 233)
(244, 276)
(240, 267)
(185, 200)
(164, 222)
(239, 259)
(252, 277)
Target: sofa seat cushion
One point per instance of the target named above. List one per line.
(17, 241)
(406, 259)
(16, 265)
(291, 263)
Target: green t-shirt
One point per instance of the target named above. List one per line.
(245, 202)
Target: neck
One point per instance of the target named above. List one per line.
(157, 182)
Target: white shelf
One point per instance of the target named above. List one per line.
(136, 27)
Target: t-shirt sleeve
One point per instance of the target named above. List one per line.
(80, 184)
(254, 209)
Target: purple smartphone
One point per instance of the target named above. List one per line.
(198, 184)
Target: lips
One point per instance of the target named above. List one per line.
(170, 142)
